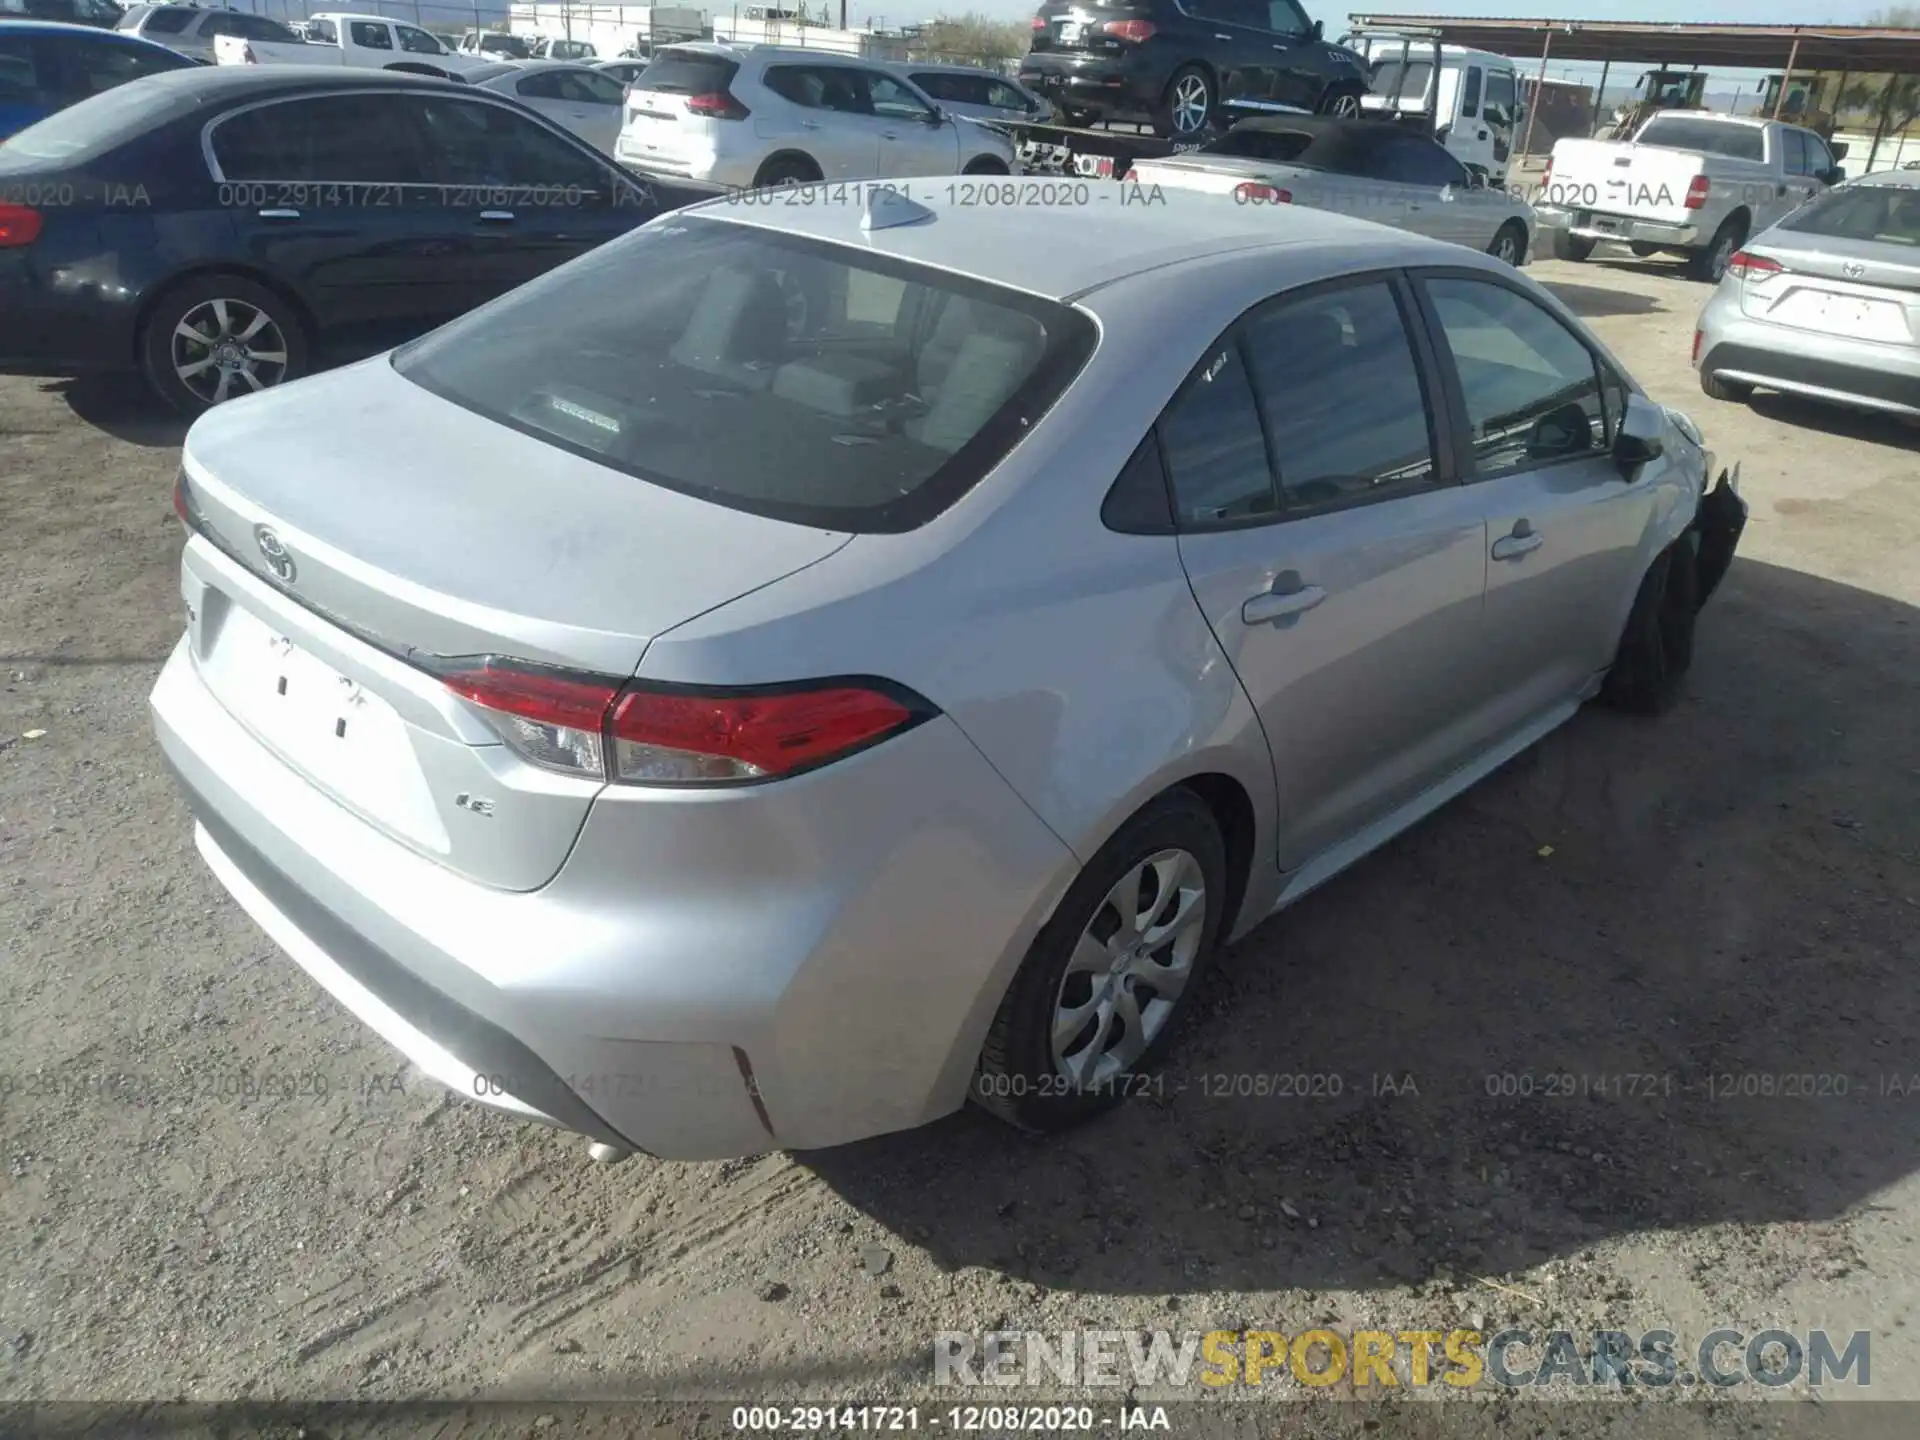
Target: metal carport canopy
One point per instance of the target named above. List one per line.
(1863, 49)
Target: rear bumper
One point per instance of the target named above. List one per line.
(709, 975)
(1840, 369)
(1606, 225)
(1127, 86)
(63, 325)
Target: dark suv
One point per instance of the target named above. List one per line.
(1184, 65)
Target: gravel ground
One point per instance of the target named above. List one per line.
(1729, 891)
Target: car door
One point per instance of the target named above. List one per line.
(1295, 68)
(422, 43)
(1538, 409)
(334, 195)
(1804, 167)
(1498, 111)
(539, 91)
(1468, 138)
(832, 119)
(915, 138)
(1235, 45)
(529, 199)
(1444, 201)
(1338, 561)
(592, 103)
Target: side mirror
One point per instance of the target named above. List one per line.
(1642, 434)
(936, 117)
(1832, 175)
(1838, 150)
(1319, 30)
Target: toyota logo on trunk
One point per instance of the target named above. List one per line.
(274, 552)
(1852, 269)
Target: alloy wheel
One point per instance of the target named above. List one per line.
(1506, 248)
(1129, 968)
(1190, 104)
(222, 348)
(1345, 106)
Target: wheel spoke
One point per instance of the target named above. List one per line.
(199, 337)
(254, 326)
(269, 357)
(1089, 957)
(253, 381)
(221, 390)
(1068, 1023)
(1125, 900)
(1128, 1047)
(1083, 1063)
(193, 368)
(222, 318)
(1168, 980)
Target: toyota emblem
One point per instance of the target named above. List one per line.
(1852, 269)
(274, 552)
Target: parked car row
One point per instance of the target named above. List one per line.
(46, 67)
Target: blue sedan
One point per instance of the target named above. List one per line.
(45, 66)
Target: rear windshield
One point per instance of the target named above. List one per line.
(1709, 137)
(686, 72)
(783, 376)
(99, 123)
(505, 45)
(1276, 147)
(167, 22)
(1386, 75)
(1889, 214)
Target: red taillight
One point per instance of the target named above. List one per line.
(602, 729)
(1748, 266)
(1131, 31)
(717, 106)
(1695, 357)
(1546, 175)
(181, 505)
(19, 225)
(675, 736)
(1039, 23)
(1697, 191)
(1252, 192)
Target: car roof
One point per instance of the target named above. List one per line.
(1319, 125)
(62, 27)
(1751, 122)
(1902, 177)
(212, 84)
(1027, 243)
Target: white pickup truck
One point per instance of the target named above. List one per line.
(370, 42)
(1689, 183)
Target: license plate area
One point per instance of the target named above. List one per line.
(341, 736)
(1607, 226)
(1071, 32)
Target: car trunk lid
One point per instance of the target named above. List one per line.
(1861, 289)
(347, 571)
(1080, 29)
(661, 123)
(1610, 177)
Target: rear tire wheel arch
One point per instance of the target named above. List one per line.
(1167, 110)
(1709, 263)
(986, 165)
(1515, 231)
(1340, 99)
(1656, 646)
(787, 167)
(1017, 1078)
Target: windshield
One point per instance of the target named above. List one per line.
(787, 377)
(504, 45)
(1887, 214)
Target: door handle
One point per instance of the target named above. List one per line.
(497, 217)
(809, 124)
(279, 214)
(889, 134)
(1523, 540)
(1223, 37)
(1288, 597)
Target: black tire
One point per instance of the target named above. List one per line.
(1173, 115)
(786, 170)
(1657, 646)
(1076, 119)
(200, 299)
(1710, 264)
(1509, 243)
(1342, 101)
(1717, 389)
(1018, 1078)
(1568, 246)
(985, 165)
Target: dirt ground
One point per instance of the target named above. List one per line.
(1729, 891)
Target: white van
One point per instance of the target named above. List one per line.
(1475, 108)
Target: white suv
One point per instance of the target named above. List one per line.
(756, 115)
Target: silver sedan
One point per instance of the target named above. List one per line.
(581, 98)
(794, 669)
(1826, 304)
(1373, 170)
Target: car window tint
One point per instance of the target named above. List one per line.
(584, 87)
(20, 82)
(331, 139)
(92, 68)
(1794, 151)
(1819, 158)
(1470, 93)
(1408, 160)
(259, 27)
(843, 90)
(893, 99)
(482, 144)
(1002, 96)
(687, 72)
(1887, 214)
(1714, 137)
(1286, 18)
(1499, 107)
(369, 36)
(1339, 388)
(418, 41)
(1410, 77)
(758, 370)
(166, 22)
(323, 31)
(541, 85)
(1532, 389)
(1215, 453)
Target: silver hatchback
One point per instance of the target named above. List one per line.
(798, 667)
(1826, 304)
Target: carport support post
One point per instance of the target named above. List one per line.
(1600, 99)
(1539, 93)
(1793, 58)
(1885, 107)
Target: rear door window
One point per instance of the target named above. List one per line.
(331, 139)
(20, 67)
(1345, 409)
(764, 371)
(324, 31)
(1794, 152)
(1885, 214)
(1710, 137)
(419, 42)
(369, 36)
(491, 146)
(1216, 456)
(1288, 19)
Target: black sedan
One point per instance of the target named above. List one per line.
(221, 230)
